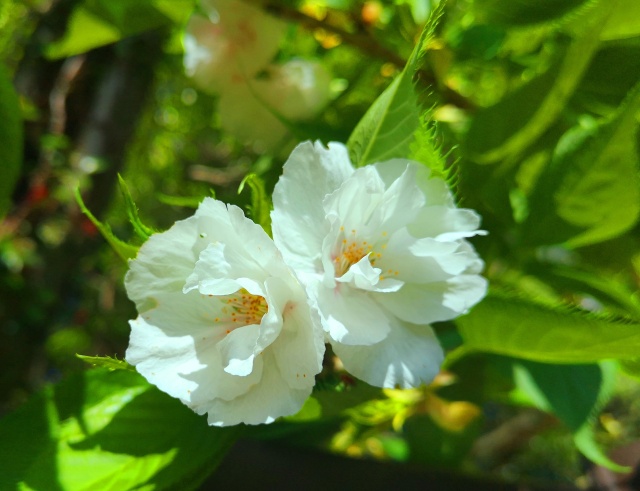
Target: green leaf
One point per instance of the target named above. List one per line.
(513, 326)
(430, 444)
(95, 23)
(591, 191)
(586, 443)
(613, 72)
(568, 391)
(141, 229)
(10, 139)
(124, 250)
(631, 367)
(575, 394)
(387, 129)
(508, 127)
(260, 208)
(181, 201)
(106, 362)
(85, 31)
(108, 431)
(624, 22)
(523, 12)
(426, 150)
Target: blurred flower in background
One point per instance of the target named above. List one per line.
(228, 53)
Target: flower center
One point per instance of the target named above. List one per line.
(350, 250)
(241, 309)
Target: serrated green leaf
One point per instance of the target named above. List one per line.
(425, 149)
(124, 250)
(106, 362)
(139, 228)
(591, 191)
(10, 139)
(260, 209)
(505, 129)
(108, 431)
(387, 129)
(513, 326)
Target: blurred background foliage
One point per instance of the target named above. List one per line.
(535, 105)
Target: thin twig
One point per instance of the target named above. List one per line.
(364, 43)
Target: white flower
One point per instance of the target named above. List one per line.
(224, 326)
(382, 252)
(296, 90)
(231, 45)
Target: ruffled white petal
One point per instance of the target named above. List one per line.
(410, 356)
(272, 398)
(434, 302)
(350, 316)
(214, 298)
(311, 173)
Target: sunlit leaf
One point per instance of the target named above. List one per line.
(140, 228)
(260, 209)
(521, 328)
(586, 443)
(109, 431)
(95, 23)
(591, 190)
(124, 250)
(387, 129)
(106, 362)
(10, 139)
(624, 22)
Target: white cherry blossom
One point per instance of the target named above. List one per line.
(382, 252)
(230, 45)
(223, 324)
(296, 91)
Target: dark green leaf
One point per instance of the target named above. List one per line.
(517, 327)
(568, 391)
(508, 127)
(575, 394)
(430, 444)
(108, 431)
(10, 139)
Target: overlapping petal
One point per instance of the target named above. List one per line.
(224, 325)
(382, 252)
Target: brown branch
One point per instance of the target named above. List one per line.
(364, 43)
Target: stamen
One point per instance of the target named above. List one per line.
(241, 309)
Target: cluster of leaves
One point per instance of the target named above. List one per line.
(529, 109)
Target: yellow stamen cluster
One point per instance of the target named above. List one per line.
(242, 309)
(352, 250)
